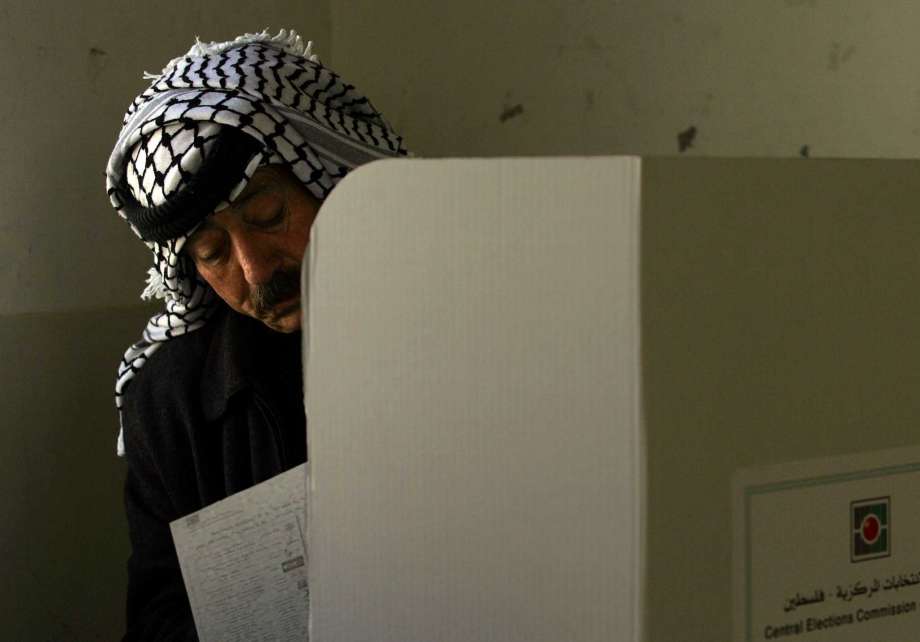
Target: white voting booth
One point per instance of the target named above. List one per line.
(568, 399)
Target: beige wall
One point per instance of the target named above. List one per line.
(70, 276)
(63, 538)
(779, 311)
(528, 77)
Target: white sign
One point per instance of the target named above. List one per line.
(829, 550)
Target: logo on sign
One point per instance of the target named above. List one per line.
(870, 524)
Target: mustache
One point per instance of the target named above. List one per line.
(283, 285)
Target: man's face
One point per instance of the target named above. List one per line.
(250, 252)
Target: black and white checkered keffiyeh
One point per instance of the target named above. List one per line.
(194, 138)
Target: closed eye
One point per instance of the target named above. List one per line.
(207, 245)
(267, 222)
(208, 255)
(264, 210)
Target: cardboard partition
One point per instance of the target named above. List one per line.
(536, 388)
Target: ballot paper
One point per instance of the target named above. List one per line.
(244, 562)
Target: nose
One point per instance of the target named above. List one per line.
(255, 258)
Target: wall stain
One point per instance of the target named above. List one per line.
(589, 99)
(593, 46)
(706, 110)
(510, 112)
(838, 56)
(801, 3)
(95, 65)
(589, 45)
(685, 139)
(804, 152)
(632, 102)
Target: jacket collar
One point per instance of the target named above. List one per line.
(229, 362)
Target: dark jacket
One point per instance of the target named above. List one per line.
(211, 413)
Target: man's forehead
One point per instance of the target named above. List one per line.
(266, 177)
(265, 180)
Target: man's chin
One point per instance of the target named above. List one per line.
(286, 318)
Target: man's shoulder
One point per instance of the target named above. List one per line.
(163, 402)
(172, 374)
(176, 362)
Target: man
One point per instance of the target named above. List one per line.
(220, 168)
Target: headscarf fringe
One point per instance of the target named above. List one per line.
(156, 287)
(287, 40)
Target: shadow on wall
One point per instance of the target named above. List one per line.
(64, 542)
